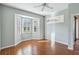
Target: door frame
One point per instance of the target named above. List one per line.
(73, 30)
(36, 19)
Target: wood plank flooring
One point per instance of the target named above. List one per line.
(38, 47)
(76, 46)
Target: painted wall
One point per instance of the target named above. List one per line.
(64, 32)
(8, 15)
(61, 30)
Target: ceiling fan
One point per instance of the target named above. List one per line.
(44, 5)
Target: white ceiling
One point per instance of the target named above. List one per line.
(31, 7)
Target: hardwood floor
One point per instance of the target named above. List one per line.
(76, 46)
(38, 47)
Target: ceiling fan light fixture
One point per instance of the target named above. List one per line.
(44, 5)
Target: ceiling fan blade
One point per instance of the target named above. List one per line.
(43, 8)
(43, 5)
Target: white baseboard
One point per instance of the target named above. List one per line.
(30, 39)
(37, 38)
(13, 44)
(18, 43)
(6, 47)
(70, 48)
(62, 42)
(26, 39)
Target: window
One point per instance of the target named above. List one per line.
(26, 25)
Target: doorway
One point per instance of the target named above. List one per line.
(76, 28)
(76, 34)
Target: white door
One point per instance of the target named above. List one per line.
(17, 28)
(36, 29)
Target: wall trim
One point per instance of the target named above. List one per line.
(36, 38)
(18, 43)
(12, 45)
(70, 48)
(21, 41)
(15, 44)
(6, 47)
(61, 42)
